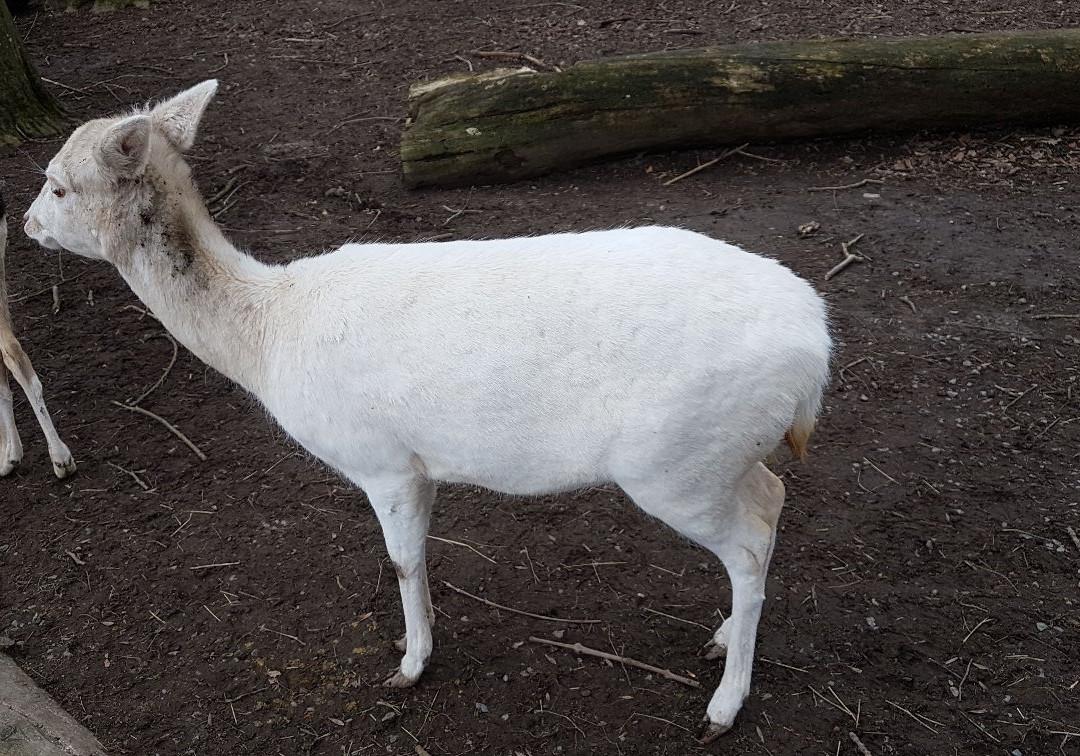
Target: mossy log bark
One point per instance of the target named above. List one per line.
(512, 124)
(26, 109)
(32, 724)
(101, 6)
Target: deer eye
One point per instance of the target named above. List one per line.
(59, 191)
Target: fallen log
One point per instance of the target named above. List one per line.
(511, 124)
(33, 724)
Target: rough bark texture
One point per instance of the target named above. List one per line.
(26, 109)
(99, 6)
(512, 124)
(32, 724)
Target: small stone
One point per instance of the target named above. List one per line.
(482, 708)
(558, 633)
(1040, 626)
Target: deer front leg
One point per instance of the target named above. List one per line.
(403, 506)
(19, 364)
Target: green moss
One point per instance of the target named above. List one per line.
(26, 109)
(508, 124)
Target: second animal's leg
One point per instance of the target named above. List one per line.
(403, 506)
(19, 364)
(11, 450)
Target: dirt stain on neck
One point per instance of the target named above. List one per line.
(166, 228)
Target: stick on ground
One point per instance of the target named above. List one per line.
(580, 649)
(453, 587)
(190, 444)
(859, 744)
(705, 165)
(856, 185)
(849, 257)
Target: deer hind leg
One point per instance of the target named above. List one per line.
(11, 450)
(19, 364)
(403, 506)
(745, 551)
(763, 492)
(737, 522)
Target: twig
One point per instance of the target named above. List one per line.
(208, 566)
(841, 706)
(55, 300)
(744, 153)
(580, 649)
(981, 728)
(851, 364)
(463, 545)
(137, 479)
(204, 606)
(64, 86)
(661, 719)
(533, 569)
(705, 165)
(1014, 401)
(849, 257)
(894, 480)
(175, 351)
(190, 444)
(1032, 336)
(75, 559)
(781, 664)
(50, 287)
(465, 60)
(1055, 316)
(907, 300)
(506, 55)
(1073, 536)
(916, 717)
(453, 587)
(358, 120)
(457, 213)
(245, 695)
(266, 629)
(859, 744)
(677, 619)
(856, 185)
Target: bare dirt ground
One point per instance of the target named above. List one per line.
(924, 590)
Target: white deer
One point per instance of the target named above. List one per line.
(657, 359)
(16, 361)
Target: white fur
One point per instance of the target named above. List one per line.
(15, 360)
(658, 359)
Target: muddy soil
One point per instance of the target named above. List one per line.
(923, 594)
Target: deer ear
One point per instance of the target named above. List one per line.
(178, 118)
(124, 150)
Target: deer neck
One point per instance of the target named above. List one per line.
(209, 295)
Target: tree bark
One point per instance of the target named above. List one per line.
(512, 124)
(26, 109)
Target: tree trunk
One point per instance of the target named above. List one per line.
(32, 724)
(26, 109)
(512, 124)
